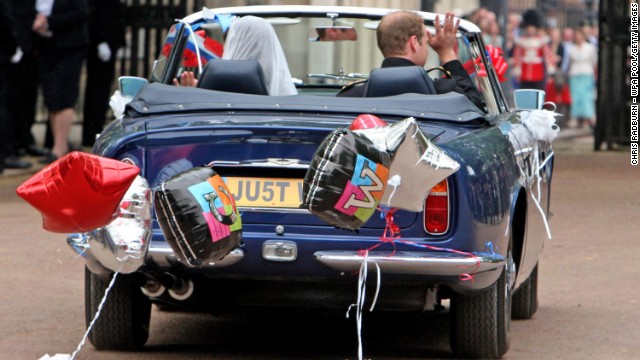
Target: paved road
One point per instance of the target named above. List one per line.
(589, 296)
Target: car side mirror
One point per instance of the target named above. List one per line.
(131, 85)
(528, 99)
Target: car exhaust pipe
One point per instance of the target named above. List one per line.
(149, 285)
(179, 288)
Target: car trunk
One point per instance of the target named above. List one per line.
(263, 165)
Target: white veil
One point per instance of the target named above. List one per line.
(253, 38)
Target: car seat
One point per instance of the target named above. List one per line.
(238, 76)
(391, 81)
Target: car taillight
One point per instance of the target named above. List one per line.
(436, 209)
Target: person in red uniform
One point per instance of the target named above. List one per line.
(531, 53)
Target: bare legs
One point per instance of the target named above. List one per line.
(61, 122)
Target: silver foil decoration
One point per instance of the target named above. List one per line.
(122, 245)
(417, 164)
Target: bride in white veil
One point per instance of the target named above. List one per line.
(253, 38)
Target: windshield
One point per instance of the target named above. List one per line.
(318, 67)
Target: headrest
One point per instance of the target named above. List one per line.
(238, 76)
(398, 80)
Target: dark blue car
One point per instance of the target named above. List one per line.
(473, 250)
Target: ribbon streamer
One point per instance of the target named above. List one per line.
(95, 317)
(362, 289)
(536, 199)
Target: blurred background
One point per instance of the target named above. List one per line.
(605, 22)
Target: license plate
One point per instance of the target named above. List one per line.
(265, 192)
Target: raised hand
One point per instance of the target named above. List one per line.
(444, 40)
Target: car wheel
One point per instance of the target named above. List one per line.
(525, 299)
(481, 323)
(123, 323)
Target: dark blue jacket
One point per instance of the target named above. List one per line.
(69, 24)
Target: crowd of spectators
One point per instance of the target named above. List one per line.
(560, 61)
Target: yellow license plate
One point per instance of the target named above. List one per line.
(265, 192)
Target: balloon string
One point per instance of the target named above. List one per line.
(95, 317)
(391, 234)
(362, 289)
(463, 277)
(536, 199)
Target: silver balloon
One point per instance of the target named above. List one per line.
(122, 245)
(417, 164)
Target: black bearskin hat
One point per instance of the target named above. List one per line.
(532, 17)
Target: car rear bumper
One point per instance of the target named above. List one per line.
(159, 254)
(458, 270)
(413, 263)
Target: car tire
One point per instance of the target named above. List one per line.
(481, 323)
(123, 323)
(525, 298)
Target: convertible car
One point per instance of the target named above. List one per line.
(471, 250)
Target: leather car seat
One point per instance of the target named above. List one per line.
(238, 76)
(391, 81)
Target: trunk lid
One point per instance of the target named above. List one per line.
(262, 157)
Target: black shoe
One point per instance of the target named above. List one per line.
(35, 150)
(48, 159)
(14, 162)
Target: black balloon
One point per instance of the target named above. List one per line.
(346, 179)
(198, 216)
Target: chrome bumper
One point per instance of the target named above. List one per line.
(160, 254)
(412, 262)
(163, 255)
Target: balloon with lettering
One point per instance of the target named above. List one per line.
(346, 179)
(78, 192)
(198, 216)
(416, 164)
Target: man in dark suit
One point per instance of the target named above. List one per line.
(8, 46)
(23, 76)
(403, 40)
(6, 50)
(106, 33)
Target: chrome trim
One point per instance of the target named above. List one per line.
(412, 262)
(266, 163)
(163, 255)
(274, 210)
(343, 11)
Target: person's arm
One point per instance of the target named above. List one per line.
(459, 82)
(443, 43)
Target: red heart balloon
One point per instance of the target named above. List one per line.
(78, 192)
